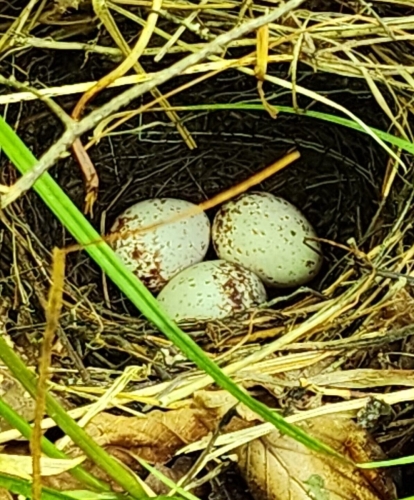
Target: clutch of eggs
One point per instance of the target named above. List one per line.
(268, 236)
(211, 290)
(157, 255)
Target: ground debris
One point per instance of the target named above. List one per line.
(276, 467)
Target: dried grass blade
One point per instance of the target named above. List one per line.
(261, 67)
(377, 94)
(54, 308)
(175, 37)
(262, 50)
(16, 27)
(102, 10)
(88, 169)
(328, 102)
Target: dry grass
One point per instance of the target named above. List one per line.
(350, 326)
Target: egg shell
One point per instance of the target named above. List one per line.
(155, 256)
(267, 235)
(211, 290)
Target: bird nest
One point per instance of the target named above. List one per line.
(356, 315)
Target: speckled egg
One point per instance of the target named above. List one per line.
(155, 256)
(211, 290)
(267, 235)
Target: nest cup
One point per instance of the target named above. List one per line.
(336, 182)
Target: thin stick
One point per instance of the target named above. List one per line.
(89, 172)
(53, 106)
(251, 181)
(205, 205)
(222, 197)
(202, 207)
(52, 321)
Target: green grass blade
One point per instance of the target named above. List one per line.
(387, 463)
(49, 448)
(23, 487)
(83, 232)
(111, 466)
(385, 136)
(166, 480)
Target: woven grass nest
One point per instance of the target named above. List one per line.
(332, 347)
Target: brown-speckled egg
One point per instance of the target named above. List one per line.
(267, 235)
(211, 290)
(155, 256)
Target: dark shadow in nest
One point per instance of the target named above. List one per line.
(336, 183)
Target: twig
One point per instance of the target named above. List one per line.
(53, 106)
(17, 25)
(26, 41)
(216, 200)
(177, 34)
(53, 311)
(90, 121)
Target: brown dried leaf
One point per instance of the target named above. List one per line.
(155, 438)
(13, 393)
(21, 466)
(277, 467)
(222, 402)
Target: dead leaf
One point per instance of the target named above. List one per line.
(21, 466)
(222, 402)
(155, 438)
(13, 393)
(361, 447)
(276, 467)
